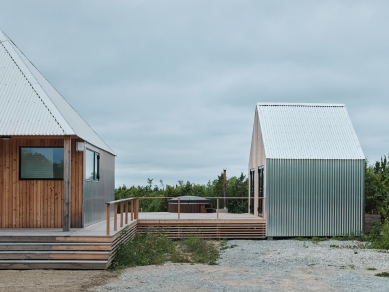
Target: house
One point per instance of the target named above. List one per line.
(55, 171)
(306, 170)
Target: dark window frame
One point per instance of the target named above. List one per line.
(20, 163)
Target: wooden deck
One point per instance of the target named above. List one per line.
(91, 248)
(229, 226)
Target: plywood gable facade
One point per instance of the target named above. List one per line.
(257, 159)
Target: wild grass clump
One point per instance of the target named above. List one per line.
(145, 249)
(383, 274)
(201, 251)
(157, 248)
(379, 237)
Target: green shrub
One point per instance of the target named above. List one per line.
(156, 248)
(202, 251)
(383, 274)
(145, 249)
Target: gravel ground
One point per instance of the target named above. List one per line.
(279, 265)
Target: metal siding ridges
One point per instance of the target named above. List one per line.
(308, 132)
(314, 197)
(33, 106)
(21, 111)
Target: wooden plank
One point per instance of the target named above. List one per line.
(2, 188)
(67, 183)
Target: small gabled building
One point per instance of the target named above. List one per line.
(55, 171)
(306, 170)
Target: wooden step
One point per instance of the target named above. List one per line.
(52, 264)
(55, 255)
(55, 246)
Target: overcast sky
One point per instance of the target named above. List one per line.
(171, 86)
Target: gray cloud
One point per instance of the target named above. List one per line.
(171, 86)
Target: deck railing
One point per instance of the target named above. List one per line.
(123, 204)
(134, 210)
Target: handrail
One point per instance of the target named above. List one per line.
(134, 211)
(194, 196)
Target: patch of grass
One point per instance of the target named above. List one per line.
(145, 249)
(334, 245)
(383, 274)
(156, 248)
(371, 269)
(202, 251)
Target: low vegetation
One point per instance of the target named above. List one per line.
(383, 274)
(156, 249)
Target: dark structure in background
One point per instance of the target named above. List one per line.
(189, 204)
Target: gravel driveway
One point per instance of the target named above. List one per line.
(279, 265)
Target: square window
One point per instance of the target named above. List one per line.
(41, 163)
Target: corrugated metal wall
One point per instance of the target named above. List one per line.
(314, 197)
(96, 194)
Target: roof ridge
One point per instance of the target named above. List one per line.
(300, 104)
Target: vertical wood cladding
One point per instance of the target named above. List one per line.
(36, 203)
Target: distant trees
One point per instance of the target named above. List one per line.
(376, 191)
(236, 187)
(377, 188)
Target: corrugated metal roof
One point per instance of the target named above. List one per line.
(308, 131)
(31, 106)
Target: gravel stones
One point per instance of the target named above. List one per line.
(261, 265)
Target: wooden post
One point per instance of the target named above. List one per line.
(264, 208)
(132, 210)
(115, 216)
(126, 212)
(178, 208)
(225, 188)
(121, 213)
(66, 183)
(136, 213)
(108, 216)
(217, 208)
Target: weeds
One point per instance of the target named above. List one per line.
(202, 251)
(383, 274)
(156, 248)
(371, 269)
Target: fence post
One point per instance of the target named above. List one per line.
(217, 208)
(121, 213)
(136, 213)
(115, 216)
(108, 216)
(126, 220)
(178, 208)
(132, 210)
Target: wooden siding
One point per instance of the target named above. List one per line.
(36, 203)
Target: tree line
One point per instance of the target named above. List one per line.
(376, 191)
(236, 187)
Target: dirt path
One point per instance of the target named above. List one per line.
(51, 280)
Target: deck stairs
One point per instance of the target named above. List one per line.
(61, 252)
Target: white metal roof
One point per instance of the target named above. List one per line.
(308, 131)
(29, 105)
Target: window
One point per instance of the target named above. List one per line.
(41, 163)
(252, 181)
(92, 165)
